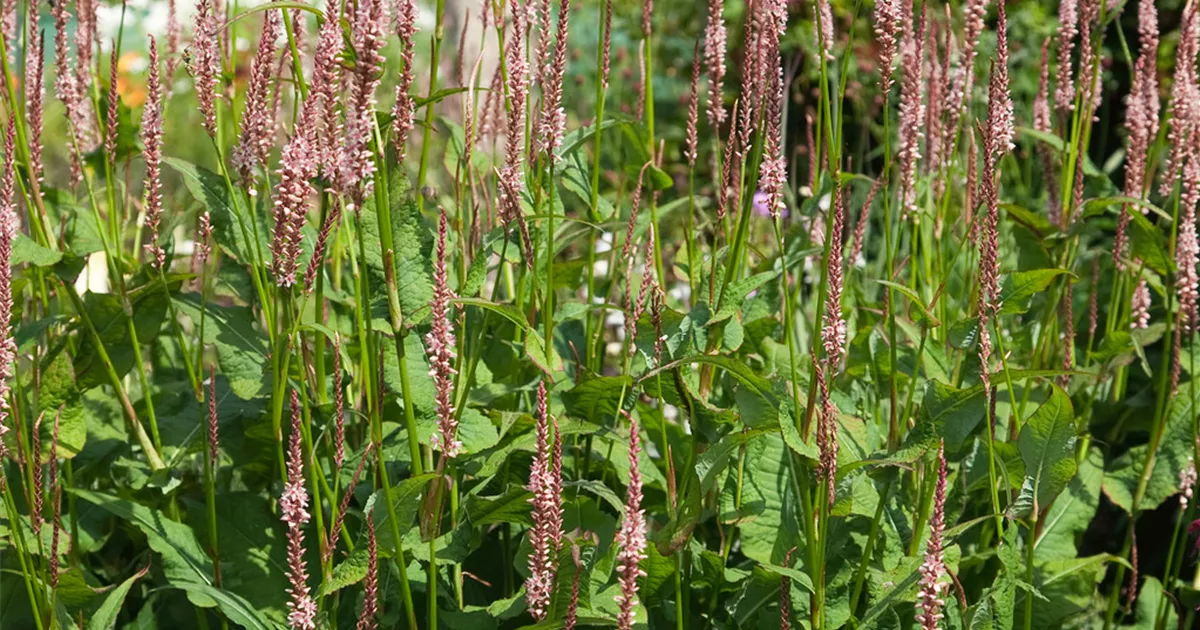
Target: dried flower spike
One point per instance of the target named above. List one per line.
(545, 482)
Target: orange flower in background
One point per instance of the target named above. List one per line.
(131, 87)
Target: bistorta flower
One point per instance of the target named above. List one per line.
(205, 62)
(366, 619)
(152, 140)
(439, 347)
(545, 483)
(715, 42)
(631, 537)
(293, 509)
(356, 161)
(933, 570)
(258, 118)
(404, 111)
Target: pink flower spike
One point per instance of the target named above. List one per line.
(439, 347)
(258, 118)
(293, 509)
(631, 537)
(932, 585)
(152, 139)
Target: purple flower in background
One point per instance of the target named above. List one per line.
(762, 207)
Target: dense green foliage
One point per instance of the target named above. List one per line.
(789, 474)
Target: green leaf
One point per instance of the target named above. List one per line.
(238, 610)
(412, 247)
(923, 315)
(105, 617)
(1072, 511)
(597, 399)
(1149, 244)
(233, 230)
(26, 250)
(241, 348)
(1047, 444)
(184, 561)
(149, 306)
(735, 294)
(1020, 287)
(766, 512)
(948, 413)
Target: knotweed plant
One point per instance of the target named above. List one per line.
(589, 314)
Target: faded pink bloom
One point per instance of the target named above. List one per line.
(827, 432)
(8, 229)
(339, 404)
(606, 61)
(439, 347)
(833, 333)
(297, 165)
(1001, 121)
(545, 482)
(631, 537)
(152, 140)
(293, 509)
(1141, 116)
(715, 43)
(785, 595)
(1140, 307)
(83, 115)
(213, 441)
(174, 38)
(889, 26)
(1068, 29)
(822, 23)
(1187, 249)
(55, 501)
(1042, 121)
(404, 111)
(68, 90)
(356, 161)
(690, 147)
(258, 118)
(962, 80)
(860, 228)
(1184, 107)
(912, 115)
(335, 532)
(319, 113)
(114, 101)
(34, 77)
(366, 619)
(512, 180)
(553, 122)
(933, 570)
(773, 174)
(318, 257)
(204, 239)
(206, 62)
(8, 28)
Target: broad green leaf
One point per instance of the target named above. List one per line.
(1047, 444)
(105, 616)
(923, 315)
(412, 247)
(241, 347)
(766, 511)
(948, 413)
(149, 305)
(238, 610)
(1149, 245)
(183, 560)
(1020, 287)
(235, 232)
(26, 250)
(1070, 514)
(597, 399)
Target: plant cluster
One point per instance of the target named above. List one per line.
(863, 321)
